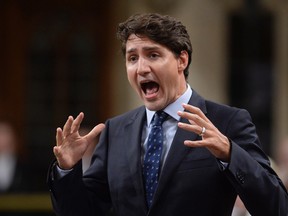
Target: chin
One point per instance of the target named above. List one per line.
(154, 106)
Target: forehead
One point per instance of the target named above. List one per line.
(136, 42)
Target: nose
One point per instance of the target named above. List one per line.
(143, 67)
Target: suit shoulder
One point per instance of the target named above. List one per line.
(132, 114)
(225, 117)
(218, 110)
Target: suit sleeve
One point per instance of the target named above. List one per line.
(249, 170)
(75, 194)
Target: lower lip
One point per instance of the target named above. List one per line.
(151, 96)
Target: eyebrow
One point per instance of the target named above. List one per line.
(148, 48)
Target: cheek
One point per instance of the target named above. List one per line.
(129, 73)
(170, 77)
(132, 78)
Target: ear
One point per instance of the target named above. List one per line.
(183, 60)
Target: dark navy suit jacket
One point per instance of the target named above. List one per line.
(192, 182)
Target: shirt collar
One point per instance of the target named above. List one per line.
(174, 107)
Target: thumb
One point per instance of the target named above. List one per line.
(95, 133)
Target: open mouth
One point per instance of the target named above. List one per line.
(150, 88)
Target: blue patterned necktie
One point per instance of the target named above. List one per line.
(152, 159)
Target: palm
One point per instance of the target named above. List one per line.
(71, 146)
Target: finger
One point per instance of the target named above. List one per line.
(194, 119)
(67, 126)
(191, 143)
(59, 136)
(195, 110)
(189, 127)
(222, 152)
(77, 122)
(94, 132)
(56, 151)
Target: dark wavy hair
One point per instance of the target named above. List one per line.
(162, 29)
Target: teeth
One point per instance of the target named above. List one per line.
(150, 87)
(151, 91)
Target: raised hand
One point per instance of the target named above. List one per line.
(212, 138)
(70, 146)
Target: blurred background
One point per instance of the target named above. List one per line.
(60, 57)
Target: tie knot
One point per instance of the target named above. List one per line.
(159, 118)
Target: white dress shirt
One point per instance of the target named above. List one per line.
(169, 126)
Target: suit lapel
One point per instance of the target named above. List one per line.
(132, 142)
(176, 154)
(178, 150)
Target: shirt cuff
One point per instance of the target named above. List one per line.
(60, 173)
(223, 165)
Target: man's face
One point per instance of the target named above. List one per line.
(154, 72)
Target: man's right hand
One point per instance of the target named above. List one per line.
(71, 146)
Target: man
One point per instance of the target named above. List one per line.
(12, 165)
(194, 162)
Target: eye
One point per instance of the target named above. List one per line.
(154, 55)
(132, 58)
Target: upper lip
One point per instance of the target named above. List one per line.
(146, 81)
(143, 82)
